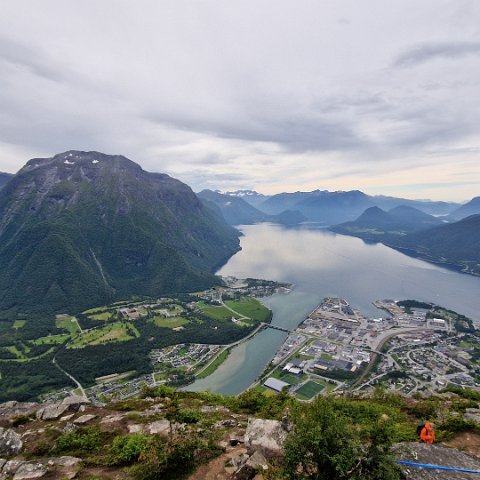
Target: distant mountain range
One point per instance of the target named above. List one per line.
(251, 196)
(470, 208)
(331, 208)
(237, 211)
(421, 235)
(375, 224)
(82, 229)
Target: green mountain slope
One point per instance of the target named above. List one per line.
(457, 243)
(84, 228)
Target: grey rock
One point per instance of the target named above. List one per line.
(12, 409)
(65, 467)
(2, 463)
(248, 470)
(66, 418)
(135, 428)
(161, 427)
(51, 411)
(214, 408)
(266, 437)
(113, 419)
(84, 419)
(435, 455)
(69, 427)
(472, 414)
(10, 442)
(74, 402)
(64, 461)
(9, 468)
(29, 471)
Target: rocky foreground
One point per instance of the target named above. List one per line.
(76, 439)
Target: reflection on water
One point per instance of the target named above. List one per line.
(320, 264)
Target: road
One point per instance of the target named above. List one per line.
(382, 340)
(79, 385)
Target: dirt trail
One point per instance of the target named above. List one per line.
(468, 442)
(216, 470)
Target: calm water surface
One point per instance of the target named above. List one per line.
(321, 264)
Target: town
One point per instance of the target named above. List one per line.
(412, 347)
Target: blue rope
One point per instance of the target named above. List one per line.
(437, 467)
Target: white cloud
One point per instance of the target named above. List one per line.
(273, 95)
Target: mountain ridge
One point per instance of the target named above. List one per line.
(120, 230)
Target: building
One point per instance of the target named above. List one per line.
(276, 385)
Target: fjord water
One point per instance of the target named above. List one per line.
(321, 264)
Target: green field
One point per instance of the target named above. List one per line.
(52, 339)
(95, 310)
(69, 323)
(288, 377)
(170, 322)
(13, 349)
(114, 332)
(19, 323)
(217, 313)
(214, 365)
(251, 308)
(309, 390)
(102, 316)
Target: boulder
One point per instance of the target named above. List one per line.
(10, 442)
(111, 419)
(51, 411)
(64, 461)
(266, 437)
(161, 427)
(135, 428)
(29, 471)
(84, 419)
(10, 410)
(9, 468)
(248, 470)
(472, 414)
(434, 455)
(74, 402)
(65, 467)
(55, 410)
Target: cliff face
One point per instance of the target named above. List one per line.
(82, 228)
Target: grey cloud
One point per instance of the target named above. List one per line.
(28, 58)
(426, 52)
(307, 132)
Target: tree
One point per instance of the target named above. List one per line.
(323, 445)
(326, 445)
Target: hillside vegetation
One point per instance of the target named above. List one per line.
(83, 228)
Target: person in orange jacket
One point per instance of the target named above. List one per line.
(427, 434)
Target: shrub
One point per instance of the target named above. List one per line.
(20, 420)
(79, 441)
(326, 445)
(127, 448)
(170, 460)
(188, 415)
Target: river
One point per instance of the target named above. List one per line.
(321, 264)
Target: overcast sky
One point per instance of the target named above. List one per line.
(273, 95)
